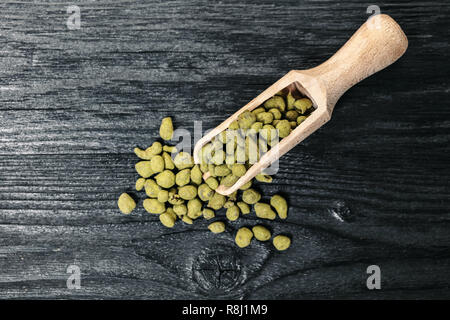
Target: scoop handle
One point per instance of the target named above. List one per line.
(379, 42)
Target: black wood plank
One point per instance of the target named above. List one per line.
(370, 187)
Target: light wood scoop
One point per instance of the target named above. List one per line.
(375, 45)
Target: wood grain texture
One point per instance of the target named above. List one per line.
(370, 187)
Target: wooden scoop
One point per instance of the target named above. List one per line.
(375, 45)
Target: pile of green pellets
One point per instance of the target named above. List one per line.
(179, 189)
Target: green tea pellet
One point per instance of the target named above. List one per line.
(251, 196)
(167, 220)
(165, 179)
(284, 128)
(233, 213)
(280, 205)
(142, 154)
(187, 192)
(196, 175)
(281, 242)
(212, 183)
(157, 164)
(180, 209)
(151, 188)
(302, 105)
(194, 208)
(217, 227)
(246, 186)
(183, 160)
(243, 237)
(154, 206)
(275, 102)
(168, 162)
(246, 119)
(169, 149)
(264, 211)
(238, 169)
(126, 203)
(300, 119)
(263, 178)
(187, 220)
(217, 201)
(166, 128)
(261, 233)
(144, 169)
(245, 208)
(140, 184)
(208, 214)
(205, 192)
(163, 196)
(183, 177)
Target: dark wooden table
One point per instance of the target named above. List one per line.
(369, 188)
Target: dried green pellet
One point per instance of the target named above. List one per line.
(142, 154)
(300, 119)
(151, 188)
(281, 242)
(243, 237)
(217, 227)
(246, 119)
(188, 192)
(196, 175)
(187, 220)
(180, 209)
(219, 157)
(171, 212)
(263, 178)
(203, 167)
(170, 149)
(157, 164)
(166, 128)
(205, 192)
(228, 204)
(168, 162)
(154, 206)
(234, 125)
(165, 179)
(280, 205)
(251, 196)
(221, 170)
(265, 117)
(302, 105)
(163, 196)
(275, 113)
(183, 177)
(144, 169)
(246, 186)
(256, 126)
(245, 208)
(183, 160)
(261, 233)
(212, 183)
(140, 184)
(293, 124)
(292, 115)
(284, 128)
(275, 102)
(217, 201)
(208, 214)
(232, 196)
(233, 213)
(264, 211)
(290, 101)
(194, 208)
(229, 180)
(258, 110)
(238, 169)
(167, 220)
(126, 203)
